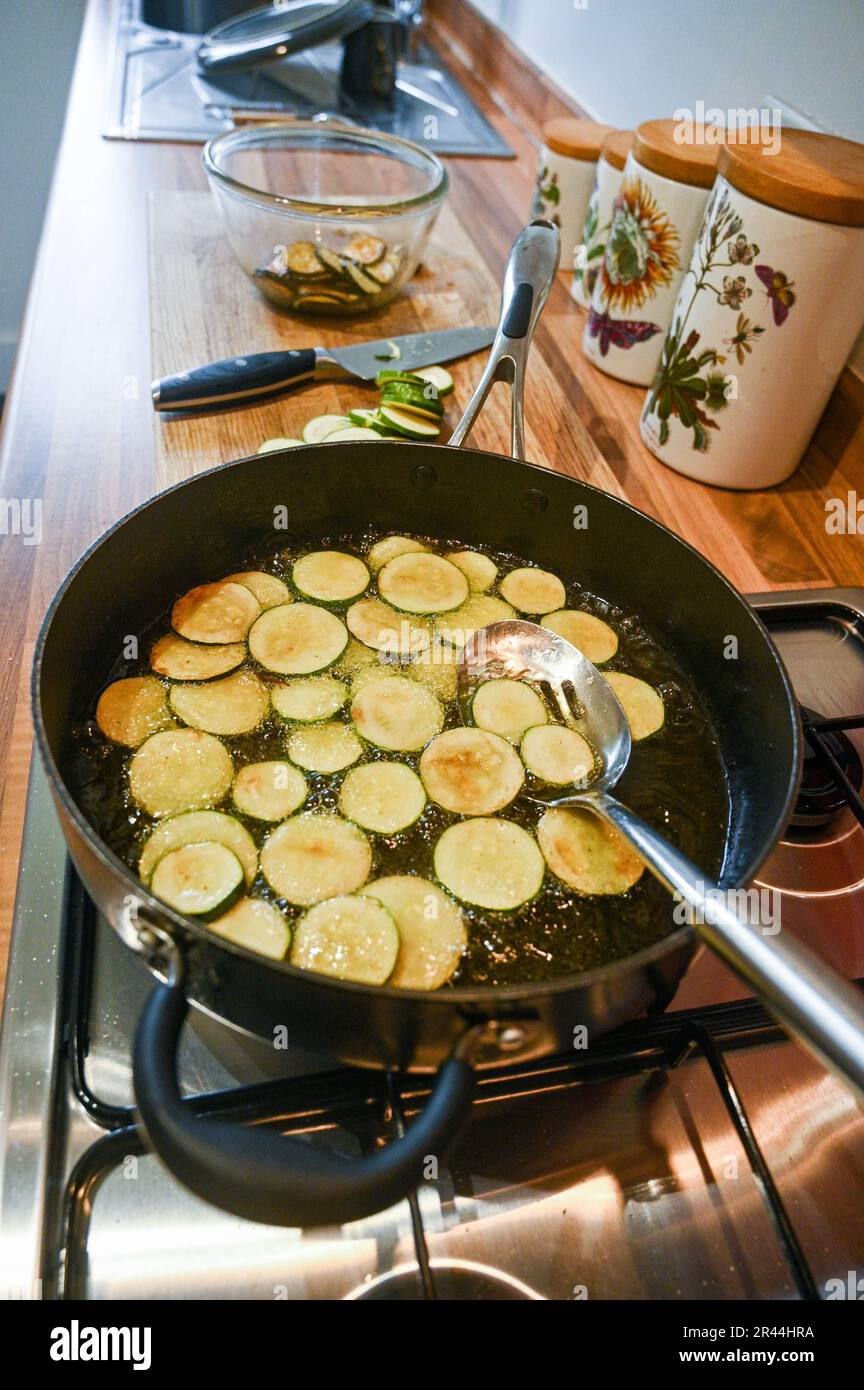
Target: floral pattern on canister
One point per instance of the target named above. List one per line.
(641, 249)
(547, 196)
(588, 255)
(690, 385)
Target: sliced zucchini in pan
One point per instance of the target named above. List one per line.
(314, 856)
(390, 547)
(533, 590)
(397, 714)
(557, 755)
(356, 657)
(324, 747)
(643, 705)
(383, 797)
(220, 612)
(132, 709)
(508, 708)
(480, 610)
(233, 705)
(380, 671)
(478, 569)
(179, 660)
(321, 425)
(297, 639)
(348, 937)
(432, 936)
(586, 853)
(422, 584)
(593, 638)
(268, 590)
(180, 770)
(378, 625)
(489, 863)
(309, 698)
(411, 425)
(330, 576)
(269, 791)
(193, 828)
(200, 880)
(471, 772)
(436, 667)
(256, 924)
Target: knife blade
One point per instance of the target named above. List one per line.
(239, 380)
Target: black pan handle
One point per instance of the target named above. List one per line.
(266, 1177)
(235, 379)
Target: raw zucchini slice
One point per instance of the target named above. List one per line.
(320, 426)
(272, 446)
(462, 623)
(297, 639)
(350, 938)
(390, 547)
(221, 612)
(643, 705)
(330, 576)
(309, 699)
(418, 397)
(489, 863)
(533, 590)
(593, 638)
(471, 772)
(180, 770)
(378, 625)
(411, 425)
(268, 590)
(365, 248)
(301, 258)
(432, 936)
(439, 377)
(478, 569)
(357, 434)
(383, 797)
(233, 705)
(397, 714)
(557, 755)
(131, 710)
(586, 853)
(315, 855)
(422, 584)
(324, 747)
(200, 880)
(269, 791)
(256, 924)
(193, 828)
(180, 660)
(436, 667)
(508, 708)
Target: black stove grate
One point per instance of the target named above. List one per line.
(816, 731)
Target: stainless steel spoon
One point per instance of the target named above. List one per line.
(824, 1011)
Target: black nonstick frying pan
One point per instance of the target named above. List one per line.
(201, 528)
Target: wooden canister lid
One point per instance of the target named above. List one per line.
(616, 147)
(580, 139)
(811, 175)
(662, 147)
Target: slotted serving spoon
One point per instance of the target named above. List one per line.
(824, 1011)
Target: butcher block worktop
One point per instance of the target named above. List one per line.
(80, 435)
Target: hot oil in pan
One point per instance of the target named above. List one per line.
(675, 780)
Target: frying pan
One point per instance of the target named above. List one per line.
(202, 527)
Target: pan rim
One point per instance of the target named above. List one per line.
(456, 995)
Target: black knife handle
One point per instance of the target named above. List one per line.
(234, 380)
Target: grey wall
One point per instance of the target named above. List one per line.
(38, 40)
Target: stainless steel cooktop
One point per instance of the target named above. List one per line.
(696, 1154)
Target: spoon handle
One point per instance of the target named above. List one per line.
(824, 1011)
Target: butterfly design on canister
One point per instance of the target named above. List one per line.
(621, 333)
(779, 290)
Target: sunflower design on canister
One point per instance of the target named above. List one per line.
(641, 249)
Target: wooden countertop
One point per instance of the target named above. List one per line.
(78, 425)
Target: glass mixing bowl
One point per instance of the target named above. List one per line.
(325, 218)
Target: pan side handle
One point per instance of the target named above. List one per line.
(261, 1176)
(531, 268)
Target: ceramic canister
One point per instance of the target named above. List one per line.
(766, 315)
(657, 214)
(565, 177)
(607, 181)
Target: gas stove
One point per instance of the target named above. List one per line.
(695, 1154)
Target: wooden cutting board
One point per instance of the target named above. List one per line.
(202, 307)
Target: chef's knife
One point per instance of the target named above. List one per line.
(241, 379)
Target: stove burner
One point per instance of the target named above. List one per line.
(454, 1279)
(821, 797)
